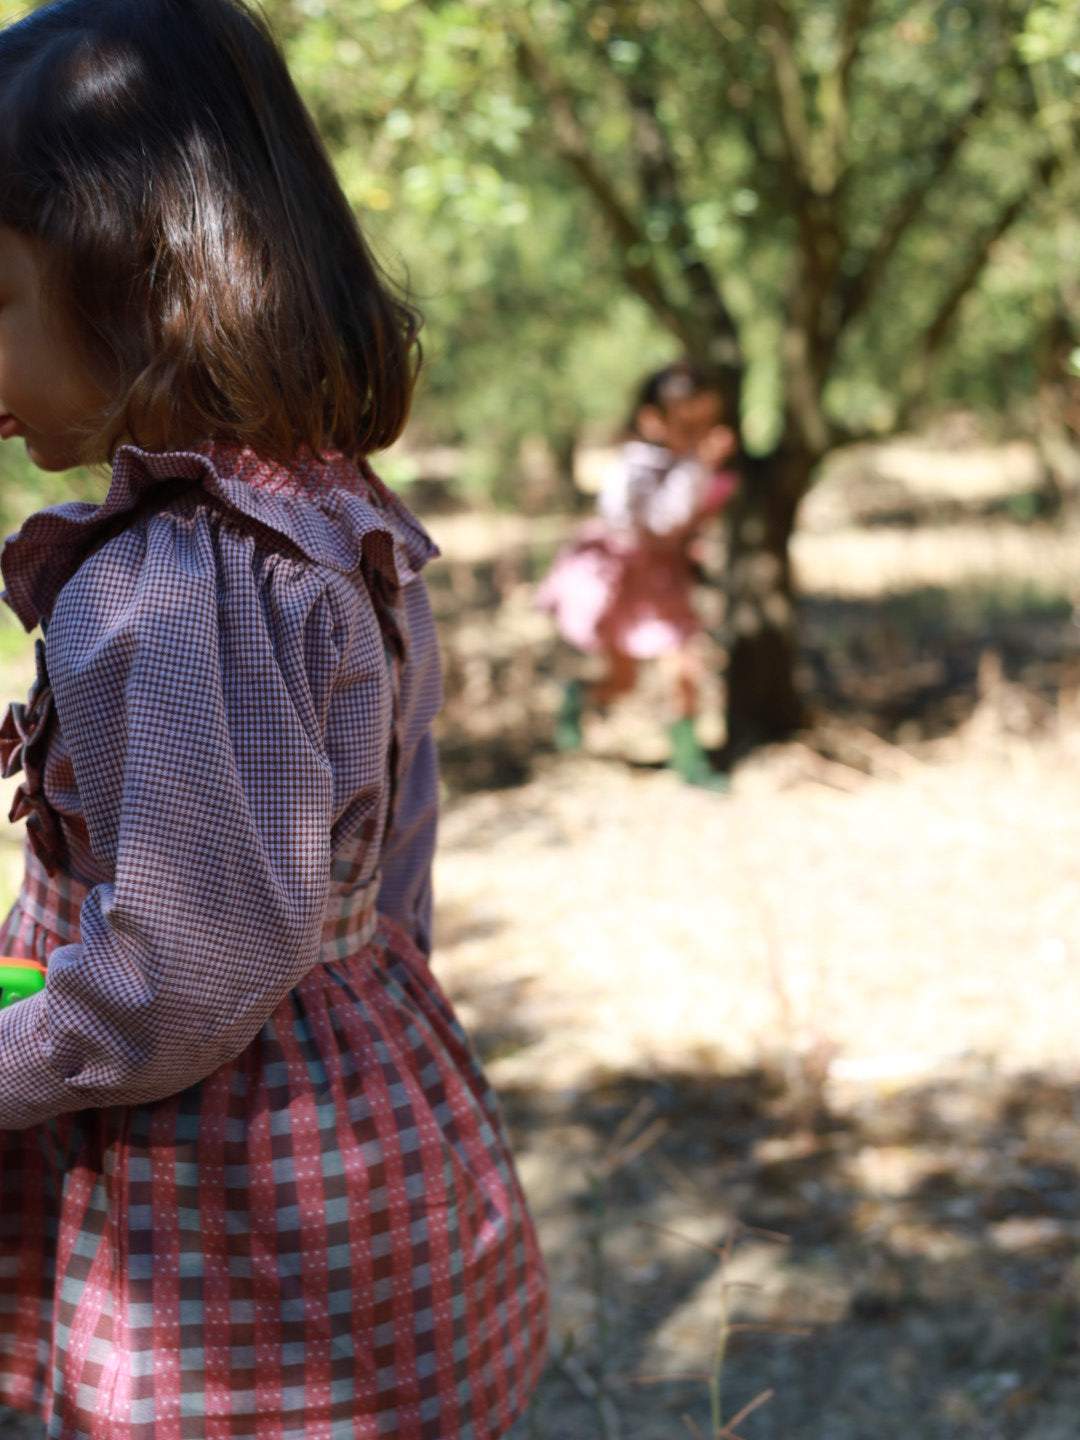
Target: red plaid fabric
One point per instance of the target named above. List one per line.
(45, 914)
(261, 1187)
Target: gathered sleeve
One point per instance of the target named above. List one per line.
(405, 893)
(676, 502)
(194, 680)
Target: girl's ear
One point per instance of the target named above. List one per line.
(651, 424)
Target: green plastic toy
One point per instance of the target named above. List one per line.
(19, 979)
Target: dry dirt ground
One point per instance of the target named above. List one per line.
(838, 1004)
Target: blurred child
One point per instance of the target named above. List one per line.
(622, 588)
(252, 1180)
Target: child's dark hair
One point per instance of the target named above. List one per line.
(681, 380)
(193, 233)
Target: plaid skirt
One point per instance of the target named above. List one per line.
(323, 1239)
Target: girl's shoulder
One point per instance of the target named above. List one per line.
(641, 457)
(330, 514)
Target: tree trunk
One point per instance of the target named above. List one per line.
(762, 701)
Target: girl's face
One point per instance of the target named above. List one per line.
(681, 425)
(47, 398)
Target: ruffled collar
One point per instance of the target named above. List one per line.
(333, 510)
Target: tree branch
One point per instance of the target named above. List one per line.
(914, 381)
(658, 176)
(727, 32)
(572, 146)
(851, 38)
(861, 287)
(857, 293)
(836, 89)
(722, 21)
(791, 102)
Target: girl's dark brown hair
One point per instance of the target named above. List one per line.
(193, 231)
(681, 380)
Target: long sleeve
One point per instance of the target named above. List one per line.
(194, 678)
(405, 891)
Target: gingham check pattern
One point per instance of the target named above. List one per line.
(258, 1195)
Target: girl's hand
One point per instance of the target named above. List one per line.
(717, 446)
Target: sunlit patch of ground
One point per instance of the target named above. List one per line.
(897, 924)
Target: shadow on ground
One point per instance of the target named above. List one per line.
(909, 666)
(930, 1255)
(913, 665)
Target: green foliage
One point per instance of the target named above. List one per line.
(1050, 46)
(527, 331)
(492, 146)
(452, 153)
(24, 488)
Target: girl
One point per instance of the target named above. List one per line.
(623, 586)
(252, 1182)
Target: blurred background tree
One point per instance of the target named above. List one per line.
(854, 210)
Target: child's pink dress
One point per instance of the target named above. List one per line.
(252, 1181)
(623, 584)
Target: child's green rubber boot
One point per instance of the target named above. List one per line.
(689, 760)
(568, 717)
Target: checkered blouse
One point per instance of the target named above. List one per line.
(223, 725)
